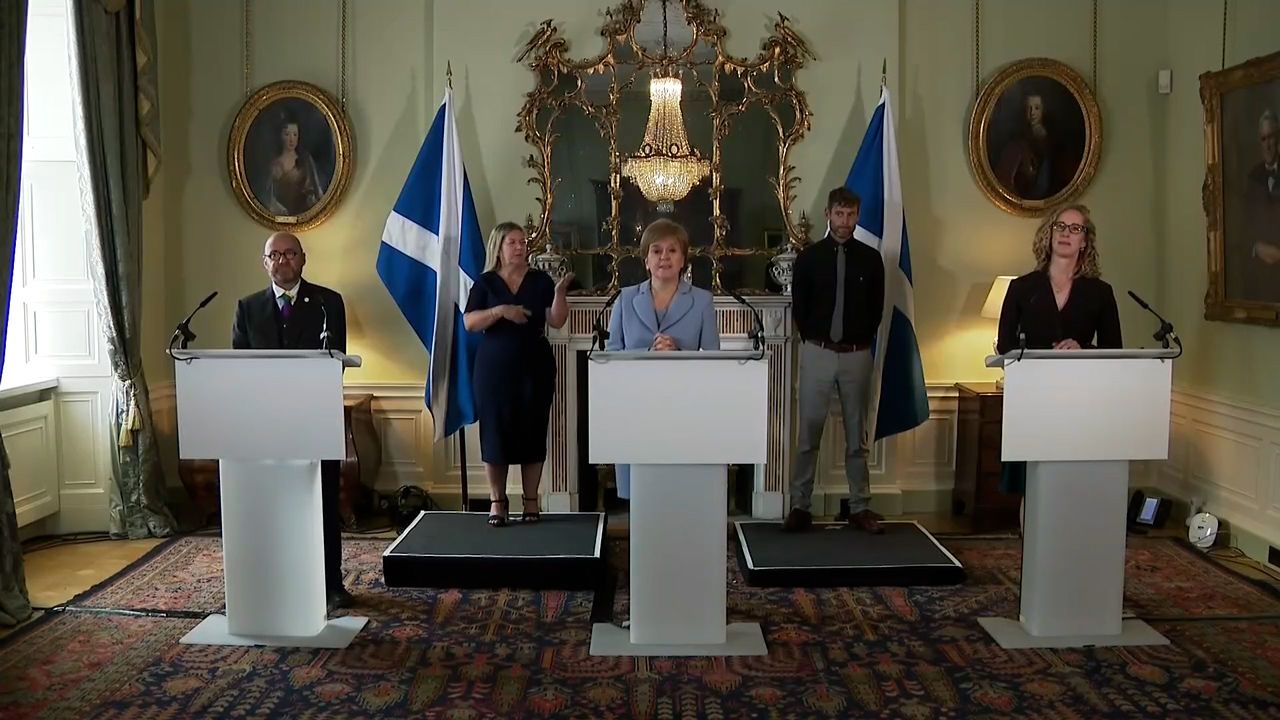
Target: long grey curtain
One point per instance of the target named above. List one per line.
(15, 605)
(119, 97)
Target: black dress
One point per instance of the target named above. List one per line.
(515, 372)
(1031, 310)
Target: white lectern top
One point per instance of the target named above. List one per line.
(1086, 404)
(678, 408)
(261, 404)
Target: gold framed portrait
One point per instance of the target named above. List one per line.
(1241, 191)
(1035, 136)
(290, 155)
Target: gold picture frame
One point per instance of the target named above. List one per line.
(1241, 191)
(1035, 136)
(290, 188)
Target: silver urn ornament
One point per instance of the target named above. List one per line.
(782, 268)
(550, 262)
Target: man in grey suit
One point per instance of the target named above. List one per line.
(837, 297)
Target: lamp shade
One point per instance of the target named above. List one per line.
(995, 298)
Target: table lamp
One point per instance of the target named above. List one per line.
(991, 308)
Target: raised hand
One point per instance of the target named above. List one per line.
(562, 286)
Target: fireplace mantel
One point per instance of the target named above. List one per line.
(560, 475)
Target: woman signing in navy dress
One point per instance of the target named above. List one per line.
(515, 372)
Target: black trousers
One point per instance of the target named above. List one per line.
(331, 522)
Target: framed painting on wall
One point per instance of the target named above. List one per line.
(290, 155)
(1035, 136)
(1241, 190)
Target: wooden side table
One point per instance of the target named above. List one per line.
(363, 461)
(977, 488)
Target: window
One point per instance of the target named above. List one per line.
(53, 327)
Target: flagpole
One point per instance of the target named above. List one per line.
(462, 431)
(462, 450)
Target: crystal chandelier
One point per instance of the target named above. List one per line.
(665, 167)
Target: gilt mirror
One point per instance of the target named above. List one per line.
(613, 152)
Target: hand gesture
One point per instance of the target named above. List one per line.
(562, 286)
(1067, 344)
(517, 314)
(1267, 253)
(663, 343)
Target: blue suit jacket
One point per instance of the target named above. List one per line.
(690, 319)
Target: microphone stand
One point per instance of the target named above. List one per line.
(757, 333)
(183, 333)
(324, 326)
(1165, 333)
(599, 334)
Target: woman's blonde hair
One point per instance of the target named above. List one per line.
(493, 247)
(1088, 264)
(662, 229)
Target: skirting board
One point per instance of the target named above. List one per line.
(1010, 635)
(610, 640)
(337, 633)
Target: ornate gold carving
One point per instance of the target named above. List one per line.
(561, 84)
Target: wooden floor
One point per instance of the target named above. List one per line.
(58, 572)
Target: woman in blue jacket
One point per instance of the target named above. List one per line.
(663, 313)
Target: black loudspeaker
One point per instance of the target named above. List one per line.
(407, 503)
(1148, 511)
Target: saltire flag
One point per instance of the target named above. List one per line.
(432, 252)
(898, 400)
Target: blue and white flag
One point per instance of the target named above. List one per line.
(432, 253)
(898, 398)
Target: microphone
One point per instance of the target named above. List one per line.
(599, 333)
(1022, 345)
(1165, 333)
(757, 333)
(324, 324)
(183, 331)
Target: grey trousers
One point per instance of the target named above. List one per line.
(848, 374)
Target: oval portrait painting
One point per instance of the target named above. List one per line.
(290, 155)
(1035, 136)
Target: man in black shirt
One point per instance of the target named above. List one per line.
(837, 298)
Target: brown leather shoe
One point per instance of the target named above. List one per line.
(866, 521)
(797, 521)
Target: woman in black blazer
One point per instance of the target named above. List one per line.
(1061, 305)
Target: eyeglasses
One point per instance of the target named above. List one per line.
(1074, 228)
(278, 255)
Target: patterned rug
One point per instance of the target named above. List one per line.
(840, 653)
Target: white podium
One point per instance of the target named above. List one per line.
(270, 417)
(1077, 417)
(678, 418)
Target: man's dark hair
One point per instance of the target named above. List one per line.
(844, 197)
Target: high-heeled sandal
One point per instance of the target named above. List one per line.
(499, 520)
(530, 516)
